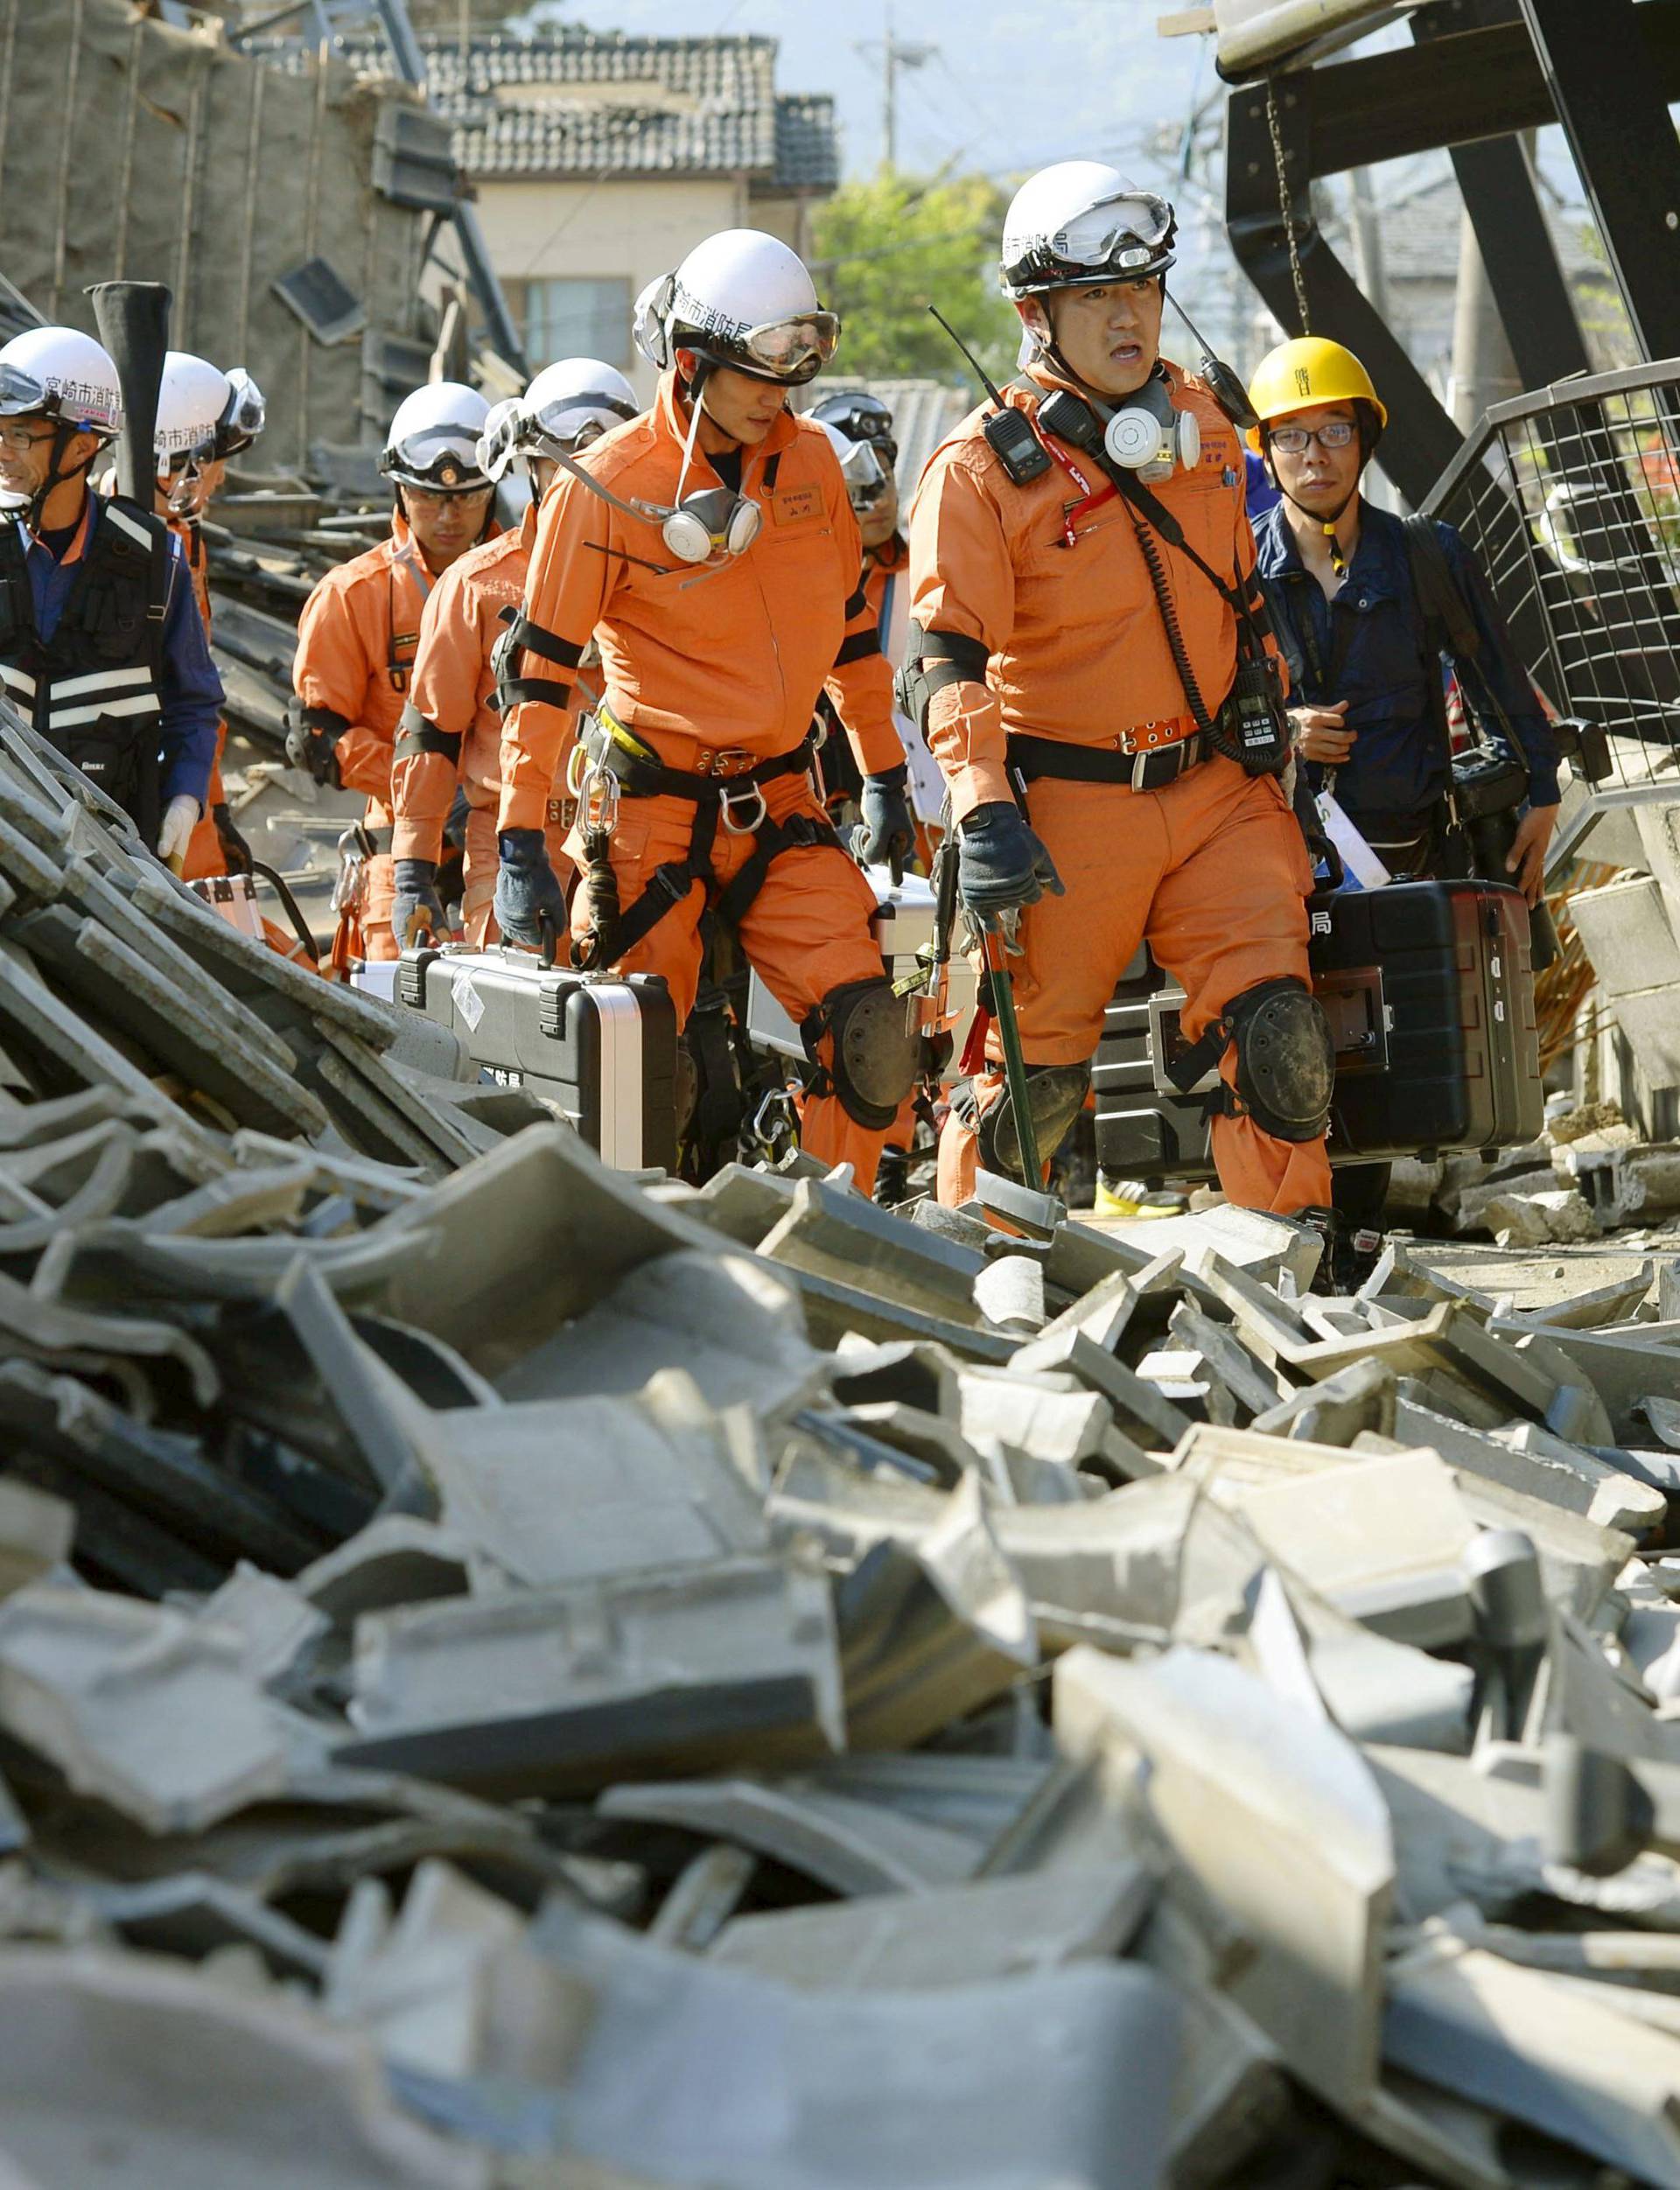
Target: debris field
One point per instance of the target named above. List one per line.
(516, 1675)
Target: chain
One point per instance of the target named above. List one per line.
(1285, 199)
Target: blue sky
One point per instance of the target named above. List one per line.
(1014, 86)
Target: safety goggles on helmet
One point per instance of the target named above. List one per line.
(1126, 238)
(794, 349)
(420, 462)
(20, 392)
(570, 419)
(245, 417)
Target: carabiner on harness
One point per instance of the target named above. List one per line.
(758, 815)
(354, 851)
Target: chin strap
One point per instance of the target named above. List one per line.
(35, 509)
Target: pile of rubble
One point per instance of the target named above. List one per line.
(514, 1676)
(1589, 1174)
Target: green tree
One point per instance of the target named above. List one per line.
(885, 249)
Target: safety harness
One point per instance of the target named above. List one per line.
(611, 931)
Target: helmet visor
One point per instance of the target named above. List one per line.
(794, 349)
(569, 416)
(865, 474)
(1122, 236)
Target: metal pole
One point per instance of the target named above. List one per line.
(890, 99)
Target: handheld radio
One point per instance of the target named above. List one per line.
(1009, 433)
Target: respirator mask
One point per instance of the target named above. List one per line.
(1147, 434)
(708, 527)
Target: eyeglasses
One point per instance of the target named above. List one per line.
(19, 440)
(1336, 433)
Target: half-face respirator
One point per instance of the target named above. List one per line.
(1148, 435)
(714, 523)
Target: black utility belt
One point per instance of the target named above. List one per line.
(639, 778)
(1032, 757)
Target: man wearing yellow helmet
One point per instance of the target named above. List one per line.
(1365, 671)
(1365, 657)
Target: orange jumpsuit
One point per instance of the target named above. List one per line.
(205, 856)
(451, 735)
(717, 669)
(1211, 868)
(356, 641)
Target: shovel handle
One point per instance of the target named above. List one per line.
(1009, 1037)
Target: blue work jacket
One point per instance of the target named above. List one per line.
(1369, 647)
(189, 684)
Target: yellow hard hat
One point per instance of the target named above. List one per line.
(1299, 374)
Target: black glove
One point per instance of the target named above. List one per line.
(235, 849)
(1000, 864)
(417, 891)
(314, 749)
(887, 831)
(527, 889)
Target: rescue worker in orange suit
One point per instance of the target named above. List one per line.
(1097, 692)
(360, 627)
(449, 736)
(710, 547)
(204, 417)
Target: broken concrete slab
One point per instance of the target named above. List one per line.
(816, 2089)
(1140, 1409)
(568, 1687)
(450, 1982)
(569, 1490)
(959, 1934)
(1383, 1540)
(125, 2072)
(1525, 2044)
(1276, 1817)
(732, 1325)
(152, 1712)
(1266, 1247)
(844, 1843)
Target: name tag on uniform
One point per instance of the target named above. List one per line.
(791, 505)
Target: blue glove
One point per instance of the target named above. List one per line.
(887, 831)
(416, 893)
(527, 889)
(1000, 864)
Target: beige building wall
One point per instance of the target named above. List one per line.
(631, 231)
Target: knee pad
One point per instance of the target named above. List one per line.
(1057, 1093)
(1286, 1058)
(877, 1039)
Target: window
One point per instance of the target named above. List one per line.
(571, 318)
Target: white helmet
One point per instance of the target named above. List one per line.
(65, 374)
(740, 299)
(1083, 221)
(246, 415)
(862, 466)
(433, 444)
(566, 406)
(192, 397)
(496, 450)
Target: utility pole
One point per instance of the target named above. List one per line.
(896, 53)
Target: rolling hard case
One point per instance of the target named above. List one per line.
(1430, 1001)
(602, 1051)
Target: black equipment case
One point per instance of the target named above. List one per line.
(1431, 999)
(602, 1051)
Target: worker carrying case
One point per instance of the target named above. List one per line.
(1429, 996)
(602, 1051)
